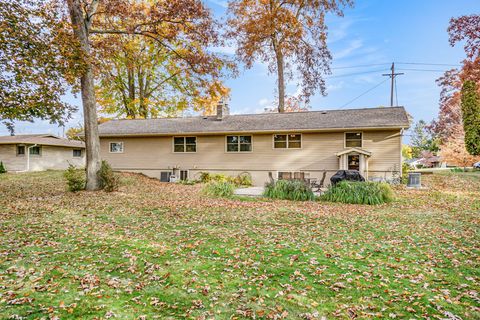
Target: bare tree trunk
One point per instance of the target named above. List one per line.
(142, 108)
(92, 140)
(281, 80)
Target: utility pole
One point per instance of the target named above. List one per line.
(392, 76)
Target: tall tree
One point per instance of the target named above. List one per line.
(139, 79)
(471, 117)
(33, 72)
(163, 22)
(422, 139)
(449, 124)
(81, 16)
(288, 35)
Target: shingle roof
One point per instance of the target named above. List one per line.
(41, 139)
(388, 117)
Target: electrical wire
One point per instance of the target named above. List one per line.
(427, 70)
(364, 93)
(362, 65)
(430, 64)
(356, 73)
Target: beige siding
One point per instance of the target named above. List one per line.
(54, 158)
(386, 149)
(150, 155)
(12, 162)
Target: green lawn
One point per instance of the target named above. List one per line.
(163, 251)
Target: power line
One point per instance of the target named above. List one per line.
(361, 66)
(426, 70)
(431, 64)
(361, 95)
(356, 73)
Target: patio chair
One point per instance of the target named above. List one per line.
(317, 186)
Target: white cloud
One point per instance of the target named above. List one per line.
(353, 46)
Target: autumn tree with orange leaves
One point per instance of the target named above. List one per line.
(289, 35)
(52, 38)
(449, 125)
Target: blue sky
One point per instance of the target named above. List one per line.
(373, 32)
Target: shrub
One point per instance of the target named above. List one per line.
(359, 193)
(289, 190)
(75, 178)
(219, 189)
(2, 168)
(457, 170)
(405, 170)
(243, 179)
(108, 179)
(187, 182)
(204, 177)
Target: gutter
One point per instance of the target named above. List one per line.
(28, 157)
(212, 133)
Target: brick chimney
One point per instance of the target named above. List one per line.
(222, 110)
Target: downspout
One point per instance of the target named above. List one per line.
(28, 156)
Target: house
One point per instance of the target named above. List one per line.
(281, 145)
(37, 152)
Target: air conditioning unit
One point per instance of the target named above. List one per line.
(165, 176)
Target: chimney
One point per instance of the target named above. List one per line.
(222, 110)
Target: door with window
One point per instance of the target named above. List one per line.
(354, 162)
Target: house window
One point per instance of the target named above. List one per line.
(239, 143)
(287, 141)
(183, 175)
(35, 151)
(116, 147)
(20, 150)
(185, 144)
(77, 152)
(353, 139)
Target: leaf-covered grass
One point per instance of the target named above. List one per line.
(359, 193)
(164, 251)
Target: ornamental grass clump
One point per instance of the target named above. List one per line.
(222, 189)
(359, 193)
(289, 190)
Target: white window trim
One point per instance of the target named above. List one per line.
(345, 139)
(287, 148)
(238, 135)
(110, 147)
(184, 144)
(40, 151)
(24, 150)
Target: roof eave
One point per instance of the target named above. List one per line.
(376, 128)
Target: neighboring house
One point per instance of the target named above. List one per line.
(283, 145)
(37, 152)
(431, 162)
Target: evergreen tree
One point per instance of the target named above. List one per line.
(422, 140)
(2, 168)
(471, 117)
